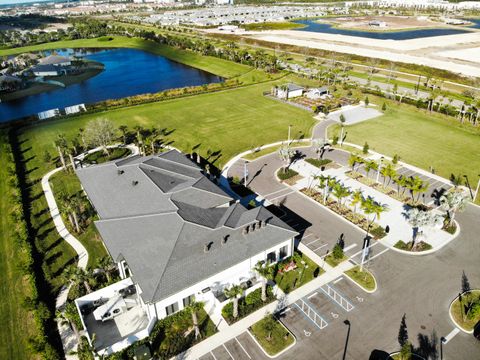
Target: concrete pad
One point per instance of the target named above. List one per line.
(355, 115)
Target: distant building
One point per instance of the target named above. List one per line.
(377, 23)
(47, 70)
(288, 91)
(55, 60)
(317, 93)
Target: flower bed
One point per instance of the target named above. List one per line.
(420, 246)
(247, 305)
(387, 190)
(363, 278)
(285, 175)
(318, 162)
(358, 219)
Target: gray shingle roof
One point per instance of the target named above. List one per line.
(158, 212)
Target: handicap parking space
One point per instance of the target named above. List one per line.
(324, 305)
(298, 322)
(349, 291)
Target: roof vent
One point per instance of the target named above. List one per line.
(120, 172)
(245, 230)
(260, 224)
(134, 182)
(225, 239)
(253, 227)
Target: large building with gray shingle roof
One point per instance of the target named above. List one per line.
(176, 233)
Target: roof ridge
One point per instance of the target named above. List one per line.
(167, 212)
(210, 192)
(168, 261)
(194, 166)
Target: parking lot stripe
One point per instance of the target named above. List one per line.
(243, 348)
(313, 241)
(359, 252)
(380, 253)
(321, 246)
(213, 355)
(306, 236)
(274, 192)
(451, 335)
(312, 295)
(228, 352)
(350, 247)
(284, 195)
(339, 279)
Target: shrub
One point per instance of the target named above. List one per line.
(366, 147)
(318, 162)
(337, 252)
(378, 232)
(284, 175)
(335, 140)
(247, 305)
(384, 107)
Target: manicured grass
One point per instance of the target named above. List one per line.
(404, 130)
(289, 281)
(247, 305)
(272, 26)
(473, 316)
(272, 149)
(68, 183)
(364, 278)
(228, 121)
(213, 65)
(274, 339)
(332, 261)
(285, 175)
(16, 323)
(421, 246)
(318, 162)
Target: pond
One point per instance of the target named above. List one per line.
(314, 26)
(127, 72)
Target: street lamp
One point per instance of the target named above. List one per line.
(442, 341)
(289, 130)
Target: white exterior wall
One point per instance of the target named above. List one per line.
(234, 275)
(45, 73)
(295, 93)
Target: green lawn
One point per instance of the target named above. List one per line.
(17, 323)
(421, 139)
(293, 279)
(68, 183)
(473, 315)
(213, 65)
(272, 335)
(272, 26)
(364, 278)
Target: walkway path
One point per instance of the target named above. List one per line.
(67, 335)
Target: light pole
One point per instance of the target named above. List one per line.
(477, 189)
(289, 129)
(442, 341)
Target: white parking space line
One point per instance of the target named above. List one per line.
(306, 236)
(314, 241)
(284, 195)
(228, 352)
(213, 355)
(274, 192)
(321, 246)
(312, 295)
(350, 247)
(380, 253)
(243, 348)
(339, 279)
(359, 252)
(451, 335)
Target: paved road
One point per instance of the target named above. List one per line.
(422, 287)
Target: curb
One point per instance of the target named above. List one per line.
(360, 286)
(427, 252)
(279, 353)
(453, 320)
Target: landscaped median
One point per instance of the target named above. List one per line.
(465, 310)
(363, 278)
(272, 336)
(295, 272)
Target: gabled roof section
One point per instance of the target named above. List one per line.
(179, 169)
(204, 217)
(178, 158)
(205, 184)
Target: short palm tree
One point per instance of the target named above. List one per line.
(286, 154)
(357, 198)
(371, 207)
(194, 308)
(370, 165)
(266, 272)
(419, 218)
(388, 171)
(76, 275)
(453, 202)
(340, 191)
(234, 292)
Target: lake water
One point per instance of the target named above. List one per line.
(315, 26)
(127, 72)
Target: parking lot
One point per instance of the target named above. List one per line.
(242, 347)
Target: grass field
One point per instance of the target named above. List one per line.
(421, 139)
(272, 26)
(210, 64)
(16, 321)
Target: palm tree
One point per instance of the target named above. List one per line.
(286, 155)
(61, 144)
(319, 146)
(194, 308)
(234, 292)
(354, 160)
(371, 207)
(357, 198)
(269, 324)
(322, 185)
(331, 182)
(388, 171)
(416, 185)
(340, 191)
(417, 219)
(76, 275)
(370, 165)
(74, 204)
(453, 202)
(106, 263)
(266, 272)
(124, 129)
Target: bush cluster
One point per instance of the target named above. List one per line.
(318, 162)
(39, 343)
(247, 305)
(285, 175)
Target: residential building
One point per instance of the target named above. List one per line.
(47, 70)
(55, 60)
(176, 236)
(9, 83)
(288, 91)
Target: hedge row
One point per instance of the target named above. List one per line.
(39, 343)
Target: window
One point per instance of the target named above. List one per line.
(188, 300)
(271, 257)
(170, 309)
(283, 252)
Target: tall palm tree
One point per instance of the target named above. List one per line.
(319, 146)
(388, 171)
(322, 184)
(234, 292)
(61, 145)
(286, 154)
(370, 165)
(354, 160)
(453, 202)
(331, 183)
(76, 275)
(75, 204)
(340, 191)
(266, 272)
(106, 263)
(194, 308)
(342, 123)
